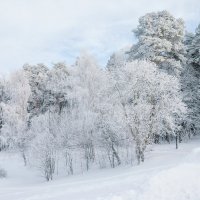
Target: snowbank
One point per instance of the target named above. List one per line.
(179, 183)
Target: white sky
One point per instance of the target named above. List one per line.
(48, 31)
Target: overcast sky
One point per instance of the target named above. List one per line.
(48, 31)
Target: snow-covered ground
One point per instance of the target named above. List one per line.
(167, 174)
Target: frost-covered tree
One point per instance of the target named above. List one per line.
(191, 84)
(150, 102)
(117, 59)
(15, 112)
(193, 49)
(38, 101)
(188, 40)
(1, 110)
(50, 89)
(112, 132)
(190, 88)
(53, 90)
(44, 145)
(89, 76)
(59, 87)
(160, 40)
(4, 97)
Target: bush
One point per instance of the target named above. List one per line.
(3, 173)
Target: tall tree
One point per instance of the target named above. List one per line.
(160, 40)
(193, 49)
(4, 98)
(15, 112)
(150, 102)
(38, 101)
(191, 82)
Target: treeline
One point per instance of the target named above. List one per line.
(73, 118)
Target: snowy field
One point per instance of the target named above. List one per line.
(167, 174)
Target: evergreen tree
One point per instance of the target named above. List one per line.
(193, 49)
(160, 40)
(191, 82)
(39, 99)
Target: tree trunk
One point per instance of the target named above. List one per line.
(24, 158)
(115, 154)
(176, 141)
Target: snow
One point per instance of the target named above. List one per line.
(167, 174)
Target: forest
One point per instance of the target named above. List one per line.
(69, 119)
